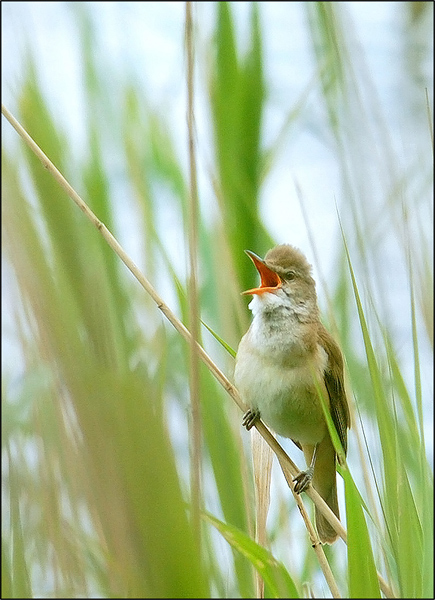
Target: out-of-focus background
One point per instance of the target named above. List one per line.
(307, 114)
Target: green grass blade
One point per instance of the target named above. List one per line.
(279, 583)
(363, 579)
(222, 342)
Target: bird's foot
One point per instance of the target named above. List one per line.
(249, 418)
(303, 480)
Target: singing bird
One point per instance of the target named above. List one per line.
(284, 361)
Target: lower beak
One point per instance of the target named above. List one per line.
(270, 281)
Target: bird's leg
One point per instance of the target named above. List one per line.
(303, 480)
(250, 417)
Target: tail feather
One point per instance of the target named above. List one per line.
(325, 483)
(327, 533)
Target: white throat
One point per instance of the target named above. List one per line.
(267, 301)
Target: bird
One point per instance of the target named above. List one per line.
(284, 362)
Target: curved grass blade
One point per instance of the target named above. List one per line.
(279, 583)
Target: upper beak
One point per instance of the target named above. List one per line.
(270, 281)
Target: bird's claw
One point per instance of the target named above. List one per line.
(303, 480)
(249, 418)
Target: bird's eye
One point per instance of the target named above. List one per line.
(290, 275)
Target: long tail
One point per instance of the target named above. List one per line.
(327, 533)
(324, 482)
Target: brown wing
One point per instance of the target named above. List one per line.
(334, 381)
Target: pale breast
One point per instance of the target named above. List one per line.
(284, 391)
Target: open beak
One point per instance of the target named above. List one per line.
(270, 281)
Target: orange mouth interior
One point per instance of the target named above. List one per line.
(270, 281)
